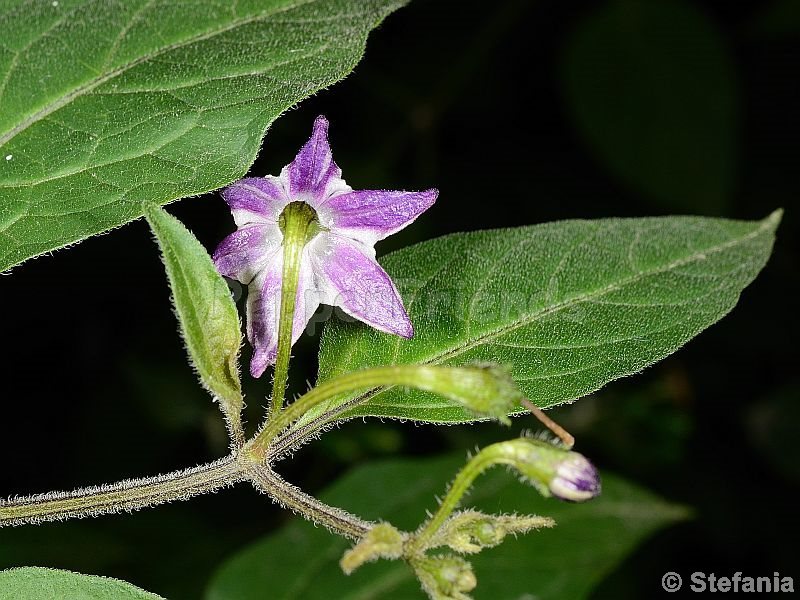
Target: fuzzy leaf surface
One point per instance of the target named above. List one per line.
(106, 104)
(34, 583)
(208, 317)
(569, 306)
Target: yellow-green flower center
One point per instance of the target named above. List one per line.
(299, 220)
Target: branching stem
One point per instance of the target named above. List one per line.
(416, 376)
(334, 519)
(242, 465)
(134, 494)
(486, 458)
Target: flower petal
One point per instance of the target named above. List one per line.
(263, 310)
(348, 276)
(245, 252)
(313, 176)
(256, 200)
(371, 215)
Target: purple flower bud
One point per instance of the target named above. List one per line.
(576, 479)
(553, 470)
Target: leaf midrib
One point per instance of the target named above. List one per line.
(101, 79)
(766, 225)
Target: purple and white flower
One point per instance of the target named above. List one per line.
(338, 265)
(576, 479)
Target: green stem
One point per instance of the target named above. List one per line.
(334, 519)
(291, 275)
(486, 458)
(236, 436)
(416, 376)
(485, 390)
(135, 494)
(296, 223)
(126, 495)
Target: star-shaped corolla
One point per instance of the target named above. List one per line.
(337, 266)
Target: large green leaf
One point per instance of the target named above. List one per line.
(208, 317)
(569, 306)
(32, 583)
(589, 540)
(652, 88)
(105, 104)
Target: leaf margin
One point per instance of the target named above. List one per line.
(767, 225)
(216, 364)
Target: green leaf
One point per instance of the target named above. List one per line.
(588, 541)
(569, 306)
(652, 88)
(107, 104)
(208, 317)
(34, 583)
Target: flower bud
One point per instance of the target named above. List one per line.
(576, 479)
(382, 541)
(445, 577)
(471, 531)
(553, 471)
(484, 389)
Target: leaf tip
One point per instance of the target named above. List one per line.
(774, 218)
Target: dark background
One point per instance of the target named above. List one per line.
(519, 112)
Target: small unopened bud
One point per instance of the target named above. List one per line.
(382, 541)
(576, 479)
(445, 577)
(484, 389)
(471, 531)
(553, 471)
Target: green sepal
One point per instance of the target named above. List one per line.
(206, 312)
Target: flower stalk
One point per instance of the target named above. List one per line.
(487, 390)
(542, 465)
(298, 224)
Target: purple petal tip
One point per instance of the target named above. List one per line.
(321, 125)
(257, 368)
(260, 361)
(576, 480)
(406, 330)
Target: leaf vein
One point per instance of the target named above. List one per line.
(97, 81)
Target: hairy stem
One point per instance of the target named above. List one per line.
(488, 457)
(416, 376)
(334, 519)
(296, 437)
(127, 495)
(236, 436)
(133, 494)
